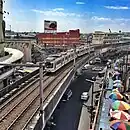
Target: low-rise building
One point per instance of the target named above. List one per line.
(106, 38)
(59, 38)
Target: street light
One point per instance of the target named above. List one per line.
(93, 92)
(93, 82)
(74, 47)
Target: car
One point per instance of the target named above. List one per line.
(97, 68)
(84, 96)
(67, 95)
(91, 62)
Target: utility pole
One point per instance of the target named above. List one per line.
(91, 119)
(41, 87)
(92, 92)
(88, 42)
(123, 68)
(126, 69)
(74, 47)
(10, 27)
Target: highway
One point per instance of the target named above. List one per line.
(67, 115)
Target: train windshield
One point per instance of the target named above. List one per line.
(48, 65)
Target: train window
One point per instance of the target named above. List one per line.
(54, 66)
(58, 62)
(49, 65)
(97, 60)
(62, 60)
(66, 58)
(0, 72)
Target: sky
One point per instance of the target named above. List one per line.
(86, 15)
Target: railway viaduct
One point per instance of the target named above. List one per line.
(54, 88)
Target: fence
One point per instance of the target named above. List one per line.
(99, 103)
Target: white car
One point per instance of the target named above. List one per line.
(84, 96)
(91, 62)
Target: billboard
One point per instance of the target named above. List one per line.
(50, 25)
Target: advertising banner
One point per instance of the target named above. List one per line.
(50, 25)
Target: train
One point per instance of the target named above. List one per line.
(55, 62)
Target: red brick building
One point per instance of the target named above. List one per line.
(60, 38)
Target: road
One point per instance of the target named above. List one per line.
(67, 115)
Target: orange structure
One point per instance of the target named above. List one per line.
(60, 38)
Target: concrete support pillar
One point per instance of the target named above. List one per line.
(2, 28)
(27, 52)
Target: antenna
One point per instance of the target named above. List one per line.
(109, 30)
(10, 27)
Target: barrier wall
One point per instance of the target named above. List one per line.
(94, 126)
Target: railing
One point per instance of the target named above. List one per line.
(99, 103)
(5, 57)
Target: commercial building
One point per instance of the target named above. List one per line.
(59, 38)
(106, 38)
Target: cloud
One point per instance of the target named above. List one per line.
(96, 18)
(80, 3)
(55, 13)
(117, 7)
(122, 24)
(58, 9)
(123, 19)
(112, 20)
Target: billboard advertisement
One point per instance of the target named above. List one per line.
(50, 25)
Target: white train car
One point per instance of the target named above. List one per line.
(53, 63)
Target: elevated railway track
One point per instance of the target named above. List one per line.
(15, 113)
